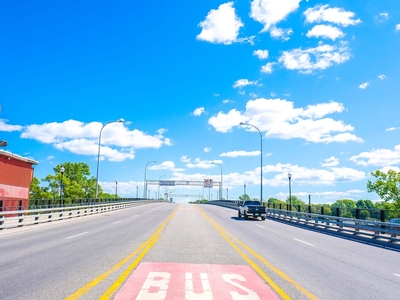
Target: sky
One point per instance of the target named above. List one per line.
(320, 80)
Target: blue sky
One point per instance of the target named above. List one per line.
(320, 79)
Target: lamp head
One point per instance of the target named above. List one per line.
(289, 175)
(62, 169)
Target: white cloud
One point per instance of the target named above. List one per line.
(244, 82)
(203, 164)
(253, 95)
(185, 159)
(198, 111)
(382, 77)
(310, 176)
(226, 101)
(166, 165)
(221, 25)
(325, 31)
(279, 119)
(267, 68)
(207, 149)
(261, 54)
(279, 33)
(363, 85)
(378, 157)
(271, 12)
(224, 122)
(398, 27)
(392, 128)
(89, 147)
(382, 17)
(80, 138)
(240, 153)
(9, 128)
(330, 162)
(324, 56)
(323, 13)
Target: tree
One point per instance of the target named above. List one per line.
(244, 197)
(295, 201)
(365, 204)
(39, 192)
(76, 181)
(386, 185)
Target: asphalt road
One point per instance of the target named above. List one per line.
(92, 257)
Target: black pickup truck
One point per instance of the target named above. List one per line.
(252, 208)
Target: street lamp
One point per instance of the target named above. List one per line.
(290, 190)
(116, 189)
(61, 187)
(159, 185)
(244, 189)
(98, 154)
(220, 185)
(145, 182)
(261, 177)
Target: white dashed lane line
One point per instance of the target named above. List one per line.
(70, 237)
(117, 222)
(398, 275)
(303, 242)
(260, 226)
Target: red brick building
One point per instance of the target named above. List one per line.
(16, 174)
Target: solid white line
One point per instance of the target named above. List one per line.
(117, 222)
(396, 274)
(303, 242)
(76, 235)
(260, 226)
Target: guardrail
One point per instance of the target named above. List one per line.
(380, 232)
(19, 218)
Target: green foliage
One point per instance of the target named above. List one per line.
(295, 201)
(39, 192)
(386, 185)
(76, 184)
(244, 197)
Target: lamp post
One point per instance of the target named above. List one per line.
(98, 154)
(159, 185)
(290, 190)
(137, 192)
(227, 198)
(220, 185)
(61, 186)
(244, 189)
(145, 182)
(116, 189)
(261, 178)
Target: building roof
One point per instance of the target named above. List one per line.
(18, 157)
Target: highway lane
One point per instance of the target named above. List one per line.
(329, 266)
(57, 261)
(50, 262)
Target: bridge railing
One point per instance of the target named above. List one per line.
(19, 218)
(373, 230)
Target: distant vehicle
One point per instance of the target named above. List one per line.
(252, 209)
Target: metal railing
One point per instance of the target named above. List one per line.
(368, 229)
(19, 218)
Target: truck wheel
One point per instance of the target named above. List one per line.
(263, 218)
(245, 216)
(239, 215)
